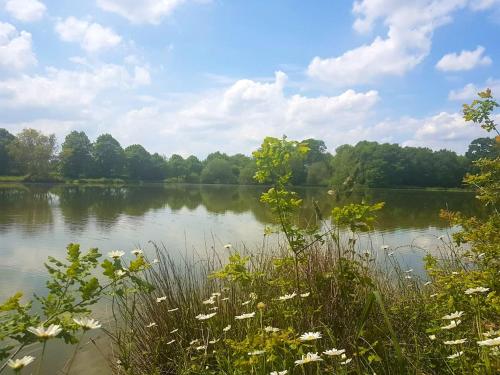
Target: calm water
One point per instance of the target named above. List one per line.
(37, 221)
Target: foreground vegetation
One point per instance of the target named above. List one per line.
(316, 304)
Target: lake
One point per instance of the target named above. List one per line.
(40, 220)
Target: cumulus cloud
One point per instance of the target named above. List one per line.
(15, 48)
(465, 60)
(25, 10)
(408, 41)
(145, 11)
(470, 90)
(92, 37)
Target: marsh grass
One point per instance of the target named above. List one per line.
(378, 317)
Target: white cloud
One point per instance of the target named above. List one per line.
(91, 36)
(465, 60)
(15, 48)
(25, 10)
(141, 76)
(145, 11)
(60, 89)
(469, 91)
(408, 41)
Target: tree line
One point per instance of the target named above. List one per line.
(35, 155)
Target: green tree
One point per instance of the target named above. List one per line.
(177, 168)
(109, 156)
(138, 162)
(76, 155)
(5, 161)
(33, 153)
(483, 148)
(194, 167)
(218, 171)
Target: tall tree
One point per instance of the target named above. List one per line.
(109, 156)
(5, 161)
(33, 152)
(138, 162)
(76, 155)
(483, 148)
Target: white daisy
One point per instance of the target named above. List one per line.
(245, 316)
(87, 323)
(227, 328)
(432, 337)
(246, 303)
(172, 310)
(137, 252)
(453, 316)
(205, 316)
(309, 357)
(270, 329)
(170, 342)
(257, 352)
(310, 336)
(225, 299)
(150, 325)
(490, 342)
(215, 341)
(46, 333)
(428, 283)
(304, 295)
(452, 324)
(18, 364)
(209, 301)
(456, 355)
(287, 296)
(161, 299)
(174, 330)
(195, 341)
(215, 308)
(479, 289)
(116, 254)
(410, 270)
(216, 294)
(455, 342)
(284, 372)
(120, 273)
(202, 347)
(331, 192)
(333, 352)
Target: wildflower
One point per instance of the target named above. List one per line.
(333, 352)
(455, 342)
(433, 295)
(479, 289)
(120, 273)
(257, 352)
(309, 357)
(155, 261)
(481, 255)
(137, 252)
(287, 296)
(202, 347)
(216, 294)
(172, 310)
(174, 330)
(428, 283)
(87, 323)
(215, 308)
(408, 277)
(228, 246)
(284, 372)
(225, 299)
(195, 341)
(271, 329)
(384, 247)
(261, 305)
(246, 303)
(161, 299)
(454, 273)
(116, 254)
(490, 333)
(346, 361)
(18, 364)
(456, 355)
(253, 296)
(432, 337)
(214, 341)
(331, 192)
(150, 325)
(453, 316)
(452, 324)
(205, 316)
(46, 333)
(209, 301)
(304, 295)
(490, 342)
(227, 328)
(245, 316)
(310, 336)
(170, 342)
(410, 270)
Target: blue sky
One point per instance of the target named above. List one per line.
(195, 76)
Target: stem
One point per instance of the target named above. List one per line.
(74, 353)
(39, 368)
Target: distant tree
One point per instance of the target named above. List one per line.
(194, 167)
(159, 168)
(247, 173)
(138, 163)
(33, 153)
(5, 161)
(483, 148)
(108, 156)
(317, 150)
(218, 171)
(75, 158)
(318, 174)
(177, 168)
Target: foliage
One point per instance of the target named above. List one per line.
(5, 160)
(218, 171)
(109, 157)
(75, 157)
